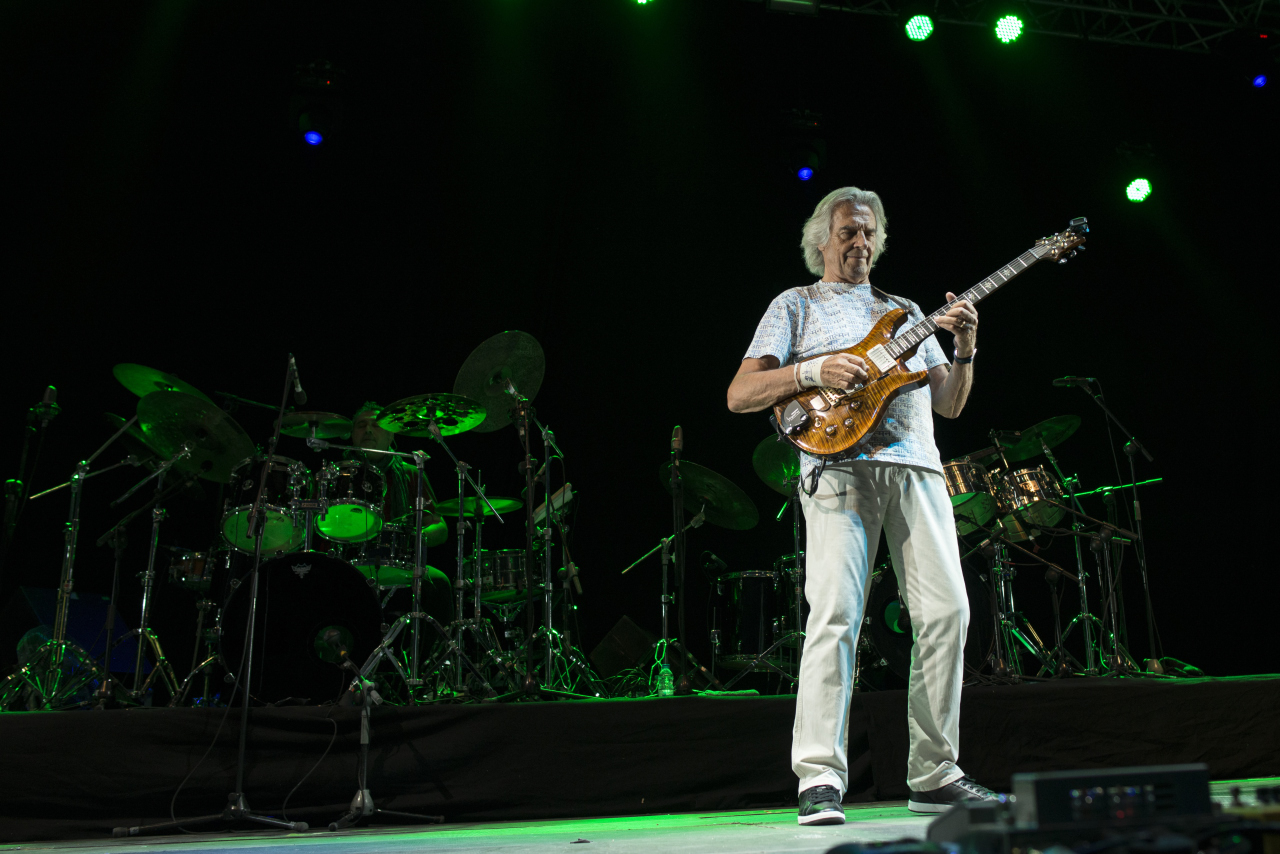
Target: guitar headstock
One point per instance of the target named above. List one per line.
(1063, 245)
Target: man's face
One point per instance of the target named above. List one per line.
(847, 255)
(365, 433)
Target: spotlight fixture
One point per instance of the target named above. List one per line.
(1138, 189)
(1260, 81)
(919, 28)
(1009, 28)
(805, 173)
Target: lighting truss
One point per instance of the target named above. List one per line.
(1188, 25)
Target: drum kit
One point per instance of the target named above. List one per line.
(336, 546)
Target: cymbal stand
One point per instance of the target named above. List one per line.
(464, 477)
(237, 806)
(523, 414)
(1119, 660)
(16, 491)
(1132, 447)
(1090, 665)
(56, 675)
(146, 635)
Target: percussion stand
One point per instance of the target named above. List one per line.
(459, 584)
(237, 807)
(1132, 447)
(523, 414)
(43, 678)
(1090, 665)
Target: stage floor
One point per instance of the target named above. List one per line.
(737, 832)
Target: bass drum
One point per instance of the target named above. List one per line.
(888, 622)
(301, 597)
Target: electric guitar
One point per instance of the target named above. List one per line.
(826, 421)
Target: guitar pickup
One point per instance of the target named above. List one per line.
(880, 357)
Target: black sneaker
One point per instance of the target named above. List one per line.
(943, 799)
(821, 805)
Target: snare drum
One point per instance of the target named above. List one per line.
(1024, 501)
(353, 492)
(501, 574)
(972, 502)
(284, 529)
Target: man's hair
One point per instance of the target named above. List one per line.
(817, 230)
(367, 406)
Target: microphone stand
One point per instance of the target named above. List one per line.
(237, 807)
(14, 489)
(1090, 666)
(1132, 447)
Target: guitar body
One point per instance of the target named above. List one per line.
(826, 421)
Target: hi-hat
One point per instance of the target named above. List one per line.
(473, 505)
(725, 504)
(777, 463)
(507, 361)
(142, 380)
(171, 419)
(413, 416)
(326, 425)
(1025, 444)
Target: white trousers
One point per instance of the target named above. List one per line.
(843, 518)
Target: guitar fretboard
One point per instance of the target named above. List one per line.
(913, 336)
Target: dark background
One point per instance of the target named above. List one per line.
(618, 181)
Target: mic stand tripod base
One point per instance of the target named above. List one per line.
(237, 809)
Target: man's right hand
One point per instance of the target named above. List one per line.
(843, 371)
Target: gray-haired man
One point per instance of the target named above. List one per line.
(892, 480)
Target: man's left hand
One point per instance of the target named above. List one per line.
(961, 320)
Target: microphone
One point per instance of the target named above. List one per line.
(299, 396)
(48, 407)
(537, 476)
(677, 440)
(1067, 382)
(713, 563)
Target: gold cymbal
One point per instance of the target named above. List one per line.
(142, 380)
(725, 503)
(508, 357)
(327, 425)
(413, 416)
(170, 419)
(777, 464)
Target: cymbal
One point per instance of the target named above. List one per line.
(1025, 444)
(726, 504)
(131, 438)
(502, 505)
(142, 380)
(515, 356)
(777, 463)
(326, 424)
(412, 416)
(218, 443)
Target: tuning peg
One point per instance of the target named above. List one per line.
(1079, 248)
(1073, 253)
(1062, 260)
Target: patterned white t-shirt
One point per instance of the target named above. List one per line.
(825, 316)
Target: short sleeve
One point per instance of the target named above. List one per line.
(930, 350)
(775, 334)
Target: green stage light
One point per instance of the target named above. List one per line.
(919, 28)
(1009, 28)
(1138, 189)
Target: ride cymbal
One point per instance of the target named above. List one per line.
(413, 416)
(142, 380)
(724, 503)
(170, 419)
(327, 425)
(1024, 444)
(507, 360)
(473, 505)
(777, 464)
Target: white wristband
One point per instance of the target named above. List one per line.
(809, 373)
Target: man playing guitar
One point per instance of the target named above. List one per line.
(891, 480)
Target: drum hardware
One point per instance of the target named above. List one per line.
(288, 485)
(778, 465)
(57, 674)
(17, 490)
(215, 438)
(1131, 448)
(216, 443)
(756, 610)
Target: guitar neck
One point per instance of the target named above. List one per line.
(911, 339)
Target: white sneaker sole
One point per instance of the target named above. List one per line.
(830, 817)
(915, 806)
